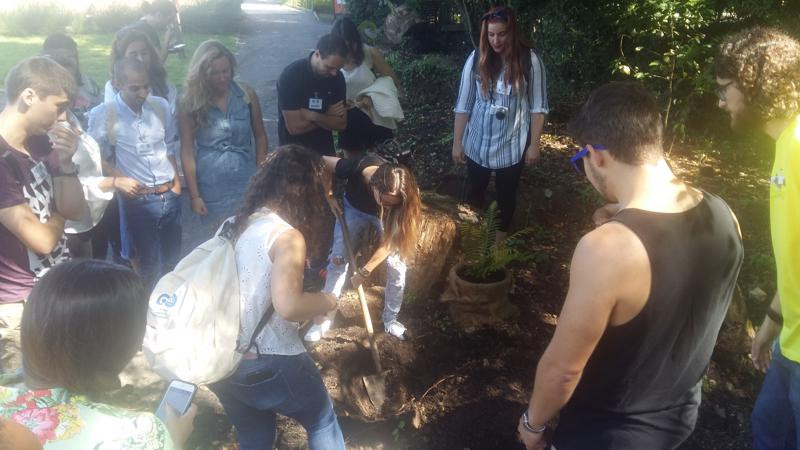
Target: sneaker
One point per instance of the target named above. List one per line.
(396, 329)
(317, 331)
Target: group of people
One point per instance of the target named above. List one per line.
(649, 286)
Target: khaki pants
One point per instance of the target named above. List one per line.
(10, 351)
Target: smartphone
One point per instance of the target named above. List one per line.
(179, 396)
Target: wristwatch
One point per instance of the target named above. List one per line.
(526, 423)
(364, 272)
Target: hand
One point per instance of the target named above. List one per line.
(761, 349)
(180, 427)
(604, 213)
(336, 109)
(331, 303)
(532, 441)
(459, 157)
(532, 154)
(128, 186)
(357, 280)
(65, 142)
(176, 187)
(364, 102)
(199, 206)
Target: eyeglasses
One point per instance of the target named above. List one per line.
(577, 160)
(722, 90)
(499, 14)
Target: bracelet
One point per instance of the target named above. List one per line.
(528, 426)
(195, 197)
(774, 316)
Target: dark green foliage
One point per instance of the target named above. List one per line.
(32, 19)
(482, 256)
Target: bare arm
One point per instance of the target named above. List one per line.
(186, 125)
(609, 280)
(330, 162)
(297, 123)
(288, 255)
(383, 67)
(257, 123)
(40, 237)
(70, 201)
(459, 125)
(334, 118)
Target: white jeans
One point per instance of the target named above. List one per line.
(357, 223)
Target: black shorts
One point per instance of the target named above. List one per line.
(361, 134)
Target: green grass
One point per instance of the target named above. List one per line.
(95, 50)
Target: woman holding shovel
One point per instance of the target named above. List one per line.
(385, 196)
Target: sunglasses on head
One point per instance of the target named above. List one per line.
(577, 160)
(500, 14)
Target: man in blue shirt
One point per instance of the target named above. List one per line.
(135, 131)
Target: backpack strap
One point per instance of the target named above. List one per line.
(158, 110)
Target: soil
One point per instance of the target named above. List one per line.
(450, 388)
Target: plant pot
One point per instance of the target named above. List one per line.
(478, 304)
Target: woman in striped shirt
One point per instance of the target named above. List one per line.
(500, 111)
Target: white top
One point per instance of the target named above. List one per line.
(90, 174)
(143, 141)
(279, 336)
(360, 77)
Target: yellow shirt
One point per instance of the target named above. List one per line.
(784, 212)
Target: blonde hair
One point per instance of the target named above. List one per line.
(400, 222)
(196, 100)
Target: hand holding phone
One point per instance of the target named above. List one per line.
(177, 411)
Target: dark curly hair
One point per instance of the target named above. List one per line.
(765, 63)
(292, 183)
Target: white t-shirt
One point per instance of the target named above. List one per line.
(360, 77)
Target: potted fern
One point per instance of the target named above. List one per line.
(478, 286)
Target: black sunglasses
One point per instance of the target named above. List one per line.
(499, 14)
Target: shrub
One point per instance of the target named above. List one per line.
(428, 77)
(107, 20)
(35, 19)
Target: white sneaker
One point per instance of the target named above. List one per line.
(317, 331)
(396, 329)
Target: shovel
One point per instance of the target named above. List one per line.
(374, 384)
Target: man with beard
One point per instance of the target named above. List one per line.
(648, 291)
(758, 83)
(311, 94)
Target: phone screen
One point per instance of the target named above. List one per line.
(178, 398)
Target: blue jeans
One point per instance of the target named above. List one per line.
(277, 384)
(153, 223)
(776, 414)
(357, 222)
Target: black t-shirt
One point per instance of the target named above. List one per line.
(357, 191)
(299, 87)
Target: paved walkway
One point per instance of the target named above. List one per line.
(274, 36)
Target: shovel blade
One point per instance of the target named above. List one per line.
(376, 389)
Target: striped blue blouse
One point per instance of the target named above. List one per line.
(492, 142)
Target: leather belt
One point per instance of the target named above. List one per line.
(157, 189)
(250, 355)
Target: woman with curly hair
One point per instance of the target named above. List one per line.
(222, 133)
(758, 83)
(384, 196)
(279, 219)
(502, 102)
(134, 43)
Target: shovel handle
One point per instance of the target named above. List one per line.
(361, 296)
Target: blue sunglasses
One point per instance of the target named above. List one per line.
(577, 160)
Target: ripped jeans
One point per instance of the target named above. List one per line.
(357, 223)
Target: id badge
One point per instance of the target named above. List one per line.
(144, 149)
(315, 103)
(39, 172)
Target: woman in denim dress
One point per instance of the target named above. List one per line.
(222, 134)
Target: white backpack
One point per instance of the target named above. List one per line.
(193, 316)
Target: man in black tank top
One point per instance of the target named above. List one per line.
(648, 291)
